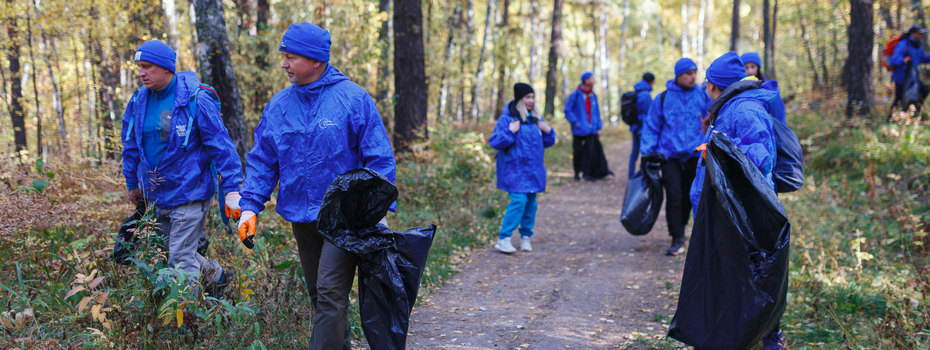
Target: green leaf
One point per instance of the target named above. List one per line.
(284, 265)
(39, 185)
(39, 165)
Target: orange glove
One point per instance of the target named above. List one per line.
(703, 149)
(232, 205)
(247, 225)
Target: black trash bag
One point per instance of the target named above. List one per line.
(642, 200)
(353, 205)
(735, 279)
(914, 90)
(390, 263)
(126, 239)
(597, 168)
(388, 281)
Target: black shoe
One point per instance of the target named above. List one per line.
(589, 179)
(678, 247)
(577, 177)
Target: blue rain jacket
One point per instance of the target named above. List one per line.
(520, 166)
(775, 105)
(643, 101)
(181, 176)
(307, 136)
(673, 127)
(745, 119)
(906, 48)
(578, 117)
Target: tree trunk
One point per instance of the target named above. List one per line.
(35, 85)
(384, 69)
(212, 51)
(624, 46)
(769, 24)
(685, 50)
(858, 70)
(555, 49)
(261, 94)
(701, 34)
(605, 63)
(534, 33)
(171, 22)
(446, 57)
(479, 72)
(56, 99)
(409, 75)
(465, 55)
(502, 59)
(17, 113)
(734, 27)
(885, 10)
(807, 49)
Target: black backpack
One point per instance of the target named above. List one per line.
(628, 111)
(788, 172)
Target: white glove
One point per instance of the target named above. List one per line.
(232, 205)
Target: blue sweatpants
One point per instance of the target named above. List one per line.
(521, 212)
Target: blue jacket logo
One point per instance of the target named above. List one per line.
(325, 123)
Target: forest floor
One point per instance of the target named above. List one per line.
(588, 284)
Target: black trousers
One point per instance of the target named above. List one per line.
(581, 159)
(677, 176)
(898, 94)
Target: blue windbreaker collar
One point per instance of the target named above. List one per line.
(642, 85)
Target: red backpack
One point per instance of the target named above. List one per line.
(889, 50)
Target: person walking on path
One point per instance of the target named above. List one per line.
(908, 51)
(520, 138)
(745, 119)
(584, 115)
(671, 132)
(172, 132)
(776, 105)
(320, 127)
(643, 91)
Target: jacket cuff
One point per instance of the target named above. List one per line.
(131, 185)
(251, 205)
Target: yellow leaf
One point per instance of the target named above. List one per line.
(102, 297)
(247, 294)
(83, 304)
(96, 314)
(180, 317)
(96, 282)
(74, 291)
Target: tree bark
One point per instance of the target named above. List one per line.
(465, 55)
(858, 68)
(384, 70)
(807, 49)
(409, 75)
(171, 22)
(35, 84)
(701, 34)
(624, 46)
(734, 27)
(769, 24)
(482, 57)
(502, 59)
(17, 113)
(685, 50)
(446, 57)
(212, 51)
(605, 63)
(555, 48)
(534, 33)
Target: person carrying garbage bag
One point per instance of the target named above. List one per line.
(316, 129)
(520, 138)
(171, 133)
(736, 274)
(671, 132)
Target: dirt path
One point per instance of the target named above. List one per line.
(587, 285)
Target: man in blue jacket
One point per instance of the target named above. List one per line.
(584, 114)
(320, 127)
(643, 91)
(172, 132)
(907, 51)
(745, 119)
(671, 132)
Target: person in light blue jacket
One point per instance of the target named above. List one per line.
(584, 114)
(321, 126)
(671, 132)
(172, 135)
(745, 119)
(520, 137)
(643, 91)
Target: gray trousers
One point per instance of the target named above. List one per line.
(182, 229)
(328, 272)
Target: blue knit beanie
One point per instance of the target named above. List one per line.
(751, 57)
(726, 70)
(308, 40)
(157, 53)
(585, 76)
(684, 65)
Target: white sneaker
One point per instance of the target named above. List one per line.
(525, 244)
(504, 246)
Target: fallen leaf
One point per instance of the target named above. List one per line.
(83, 304)
(73, 291)
(96, 282)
